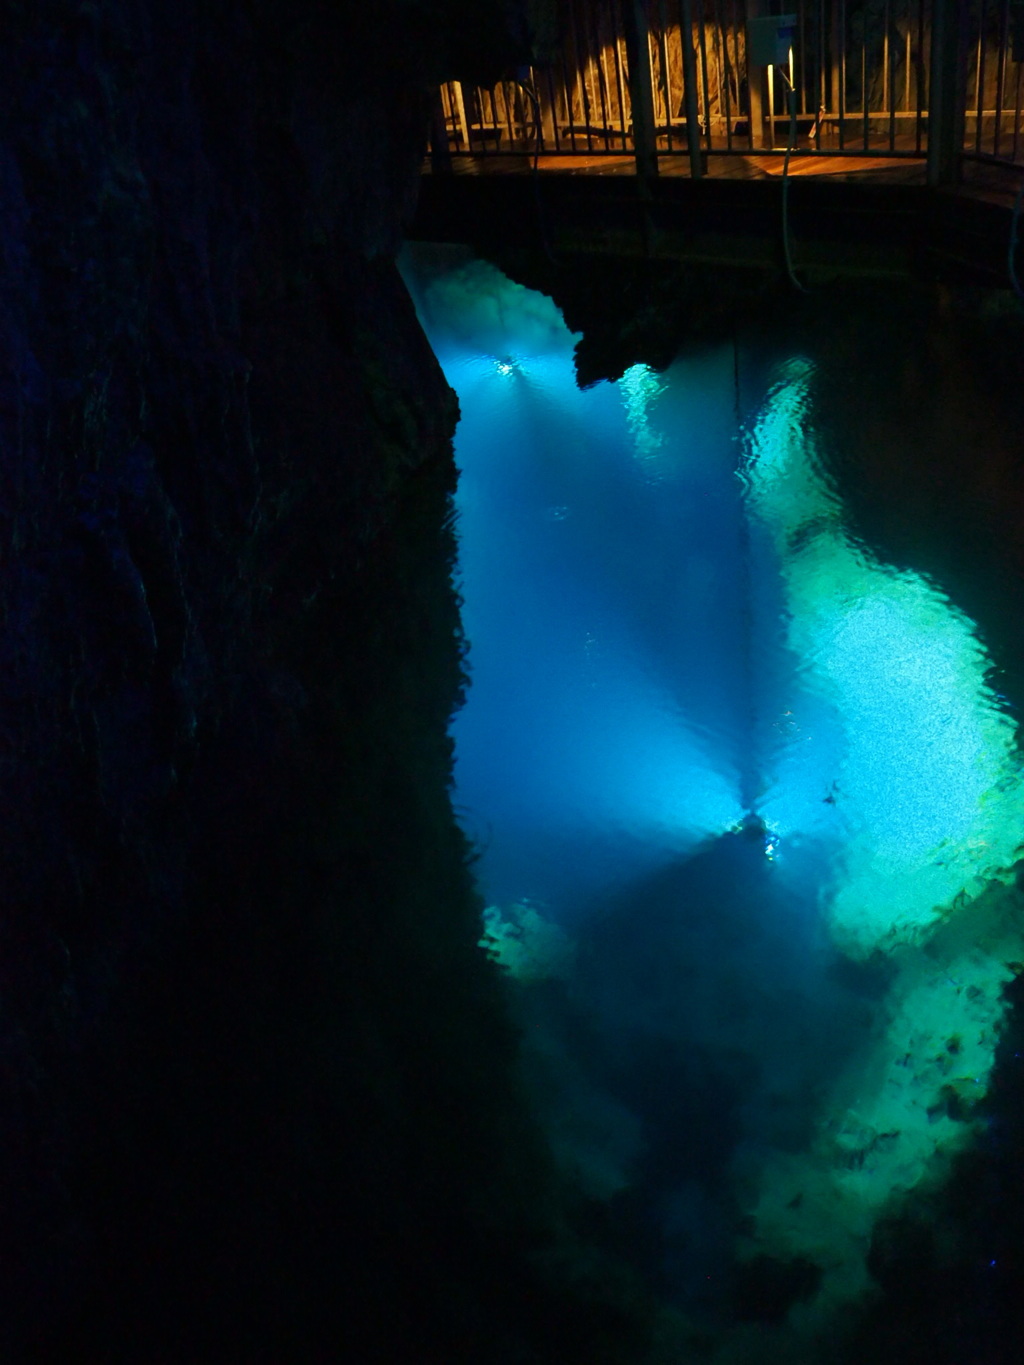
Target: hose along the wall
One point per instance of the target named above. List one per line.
(538, 137)
(785, 188)
(1011, 255)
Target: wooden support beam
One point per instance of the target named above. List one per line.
(641, 93)
(946, 82)
(755, 86)
(690, 90)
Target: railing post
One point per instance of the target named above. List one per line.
(641, 93)
(547, 114)
(837, 95)
(690, 90)
(755, 82)
(946, 93)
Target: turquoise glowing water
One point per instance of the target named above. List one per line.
(746, 790)
(604, 608)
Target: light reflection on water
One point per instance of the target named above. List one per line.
(672, 630)
(603, 741)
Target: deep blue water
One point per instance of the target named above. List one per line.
(609, 742)
(746, 798)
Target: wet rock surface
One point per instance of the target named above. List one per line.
(255, 1093)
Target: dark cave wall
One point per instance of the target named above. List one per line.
(255, 1078)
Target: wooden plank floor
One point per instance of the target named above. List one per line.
(738, 166)
(888, 222)
(981, 181)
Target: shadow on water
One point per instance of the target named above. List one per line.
(702, 1008)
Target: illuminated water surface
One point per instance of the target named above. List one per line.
(746, 792)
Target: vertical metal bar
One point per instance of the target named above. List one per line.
(658, 81)
(548, 108)
(641, 94)
(919, 122)
(690, 90)
(800, 50)
(1004, 33)
(754, 84)
(665, 73)
(586, 71)
(464, 120)
(619, 81)
(593, 90)
(480, 101)
(946, 93)
(580, 78)
(568, 94)
(981, 73)
(886, 101)
(702, 48)
(507, 90)
(724, 75)
(492, 142)
(716, 68)
(460, 113)
(978, 70)
(906, 70)
(864, 95)
(479, 118)
(721, 63)
(836, 30)
(737, 66)
(543, 122)
(627, 113)
(823, 93)
(480, 104)
(891, 91)
(515, 124)
(771, 106)
(500, 94)
(601, 69)
(1016, 115)
(841, 41)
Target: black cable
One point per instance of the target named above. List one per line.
(1011, 255)
(538, 137)
(785, 188)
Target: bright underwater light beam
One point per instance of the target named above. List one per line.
(639, 387)
(565, 704)
(928, 803)
(926, 784)
(610, 753)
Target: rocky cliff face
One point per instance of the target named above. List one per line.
(255, 1096)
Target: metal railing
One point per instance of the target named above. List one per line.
(861, 72)
(995, 56)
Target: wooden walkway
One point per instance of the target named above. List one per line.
(724, 166)
(998, 184)
(870, 216)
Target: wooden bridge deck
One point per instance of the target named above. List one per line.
(851, 214)
(724, 166)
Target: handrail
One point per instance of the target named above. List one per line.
(910, 78)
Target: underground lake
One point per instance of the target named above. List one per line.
(740, 761)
